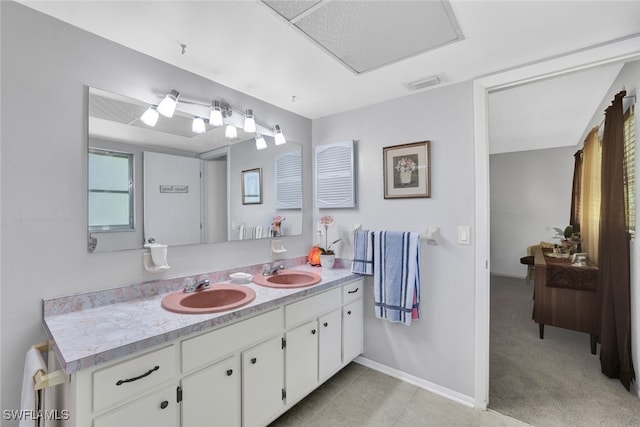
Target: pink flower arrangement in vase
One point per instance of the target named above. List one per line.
(276, 225)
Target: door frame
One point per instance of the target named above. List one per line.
(620, 50)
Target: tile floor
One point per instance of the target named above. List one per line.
(360, 396)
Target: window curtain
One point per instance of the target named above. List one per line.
(576, 192)
(590, 212)
(614, 271)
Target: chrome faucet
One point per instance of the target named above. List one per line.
(274, 269)
(202, 284)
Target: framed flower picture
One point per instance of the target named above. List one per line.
(407, 170)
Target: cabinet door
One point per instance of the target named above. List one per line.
(158, 409)
(351, 331)
(330, 344)
(262, 382)
(211, 396)
(301, 360)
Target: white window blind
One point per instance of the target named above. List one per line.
(335, 175)
(630, 170)
(288, 176)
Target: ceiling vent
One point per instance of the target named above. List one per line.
(366, 35)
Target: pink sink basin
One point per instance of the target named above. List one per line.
(214, 300)
(288, 279)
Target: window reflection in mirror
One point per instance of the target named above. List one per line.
(115, 127)
(110, 191)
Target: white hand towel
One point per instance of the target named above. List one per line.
(33, 363)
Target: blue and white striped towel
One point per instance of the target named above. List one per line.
(362, 252)
(396, 276)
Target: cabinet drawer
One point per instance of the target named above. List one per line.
(311, 308)
(209, 347)
(158, 409)
(352, 291)
(133, 377)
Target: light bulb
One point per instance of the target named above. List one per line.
(198, 125)
(278, 136)
(261, 144)
(150, 117)
(215, 118)
(168, 105)
(231, 132)
(249, 122)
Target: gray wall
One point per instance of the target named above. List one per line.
(439, 348)
(530, 194)
(46, 68)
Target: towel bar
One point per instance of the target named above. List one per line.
(44, 380)
(429, 236)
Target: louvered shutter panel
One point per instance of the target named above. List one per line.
(288, 177)
(335, 177)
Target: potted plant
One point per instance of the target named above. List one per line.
(327, 256)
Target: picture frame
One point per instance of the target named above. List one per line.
(252, 186)
(407, 170)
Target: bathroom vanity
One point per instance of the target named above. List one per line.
(240, 368)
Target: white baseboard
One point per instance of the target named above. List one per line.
(419, 382)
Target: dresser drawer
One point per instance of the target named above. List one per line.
(311, 308)
(207, 348)
(352, 291)
(133, 377)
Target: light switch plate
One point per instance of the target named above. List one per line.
(464, 235)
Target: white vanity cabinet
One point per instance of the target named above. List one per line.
(352, 321)
(262, 383)
(157, 409)
(303, 343)
(330, 339)
(212, 393)
(245, 385)
(244, 374)
(135, 391)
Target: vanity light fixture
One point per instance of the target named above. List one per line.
(150, 117)
(219, 114)
(215, 118)
(278, 136)
(261, 144)
(168, 105)
(249, 121)
(231, 132)
(198, 125)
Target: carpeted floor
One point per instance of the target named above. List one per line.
(551, 382)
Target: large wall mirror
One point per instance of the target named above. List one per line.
(169, 185)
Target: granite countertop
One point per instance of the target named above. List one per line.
(87, 336)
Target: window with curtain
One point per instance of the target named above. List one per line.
(629, 170)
